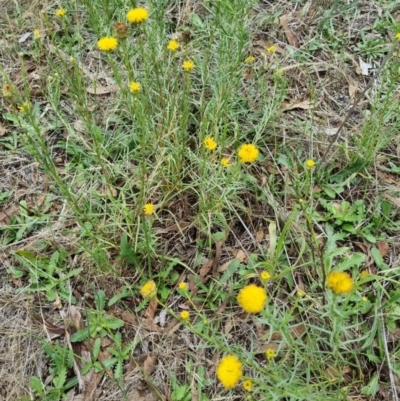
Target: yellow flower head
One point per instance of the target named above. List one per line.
(135, 87)
(225, 162)
(310, 163)
(148, 209)
(107, 43)
(188, 65)
(398, 35)
(270, 353)
(182, 286)
(184, 315)
(36, 34)
(364, 274)
(173, 45)
(229, 371)
(209, 143)
(148, 290)
(301, 293)
(271, 49)
(61, 12)
(248, 385)
(137, 15)
(249, 60)
(25, 107)
(265, 276)
(340, 282)
(248, 153)
(252, 298)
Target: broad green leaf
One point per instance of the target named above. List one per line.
(36, 385)
(100, 300)
(80, 335)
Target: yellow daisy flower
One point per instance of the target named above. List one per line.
(148, 209)
(188, 65)
(137, 15)
(229, 371)
(398, 35)
(310, 163)
(248, 385)
(135, 87)
(173, 45)
(340, 282)
(249, 60)
(252, 298)
(148, 290)
(248, 153)
(225, 162)
(270, 353)
(209, 143)
(60, 12)
(107, 43)
(184, 315)
(36, 34)
(265, 276)
(182, 286)
(271, 49)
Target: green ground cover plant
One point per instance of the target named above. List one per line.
(199, 200)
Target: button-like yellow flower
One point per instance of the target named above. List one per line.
(271, 49)
(229, 371)
(265, 276)
(137, 15)
(182, 286)
(340, 282)
(148, 209)
(135, 87)
(107, 43)
(270, 353)
(36, 34)
(188, 65)
(60, 12)
(248, 385)
(25, 107)
(398, 35)
(173, 45)
(185, 315)
(249, 60)
(209, 143)
(310, 163)
(248, 153)
(225, 162)
(364, 274)
(252, 298)
(148, 290)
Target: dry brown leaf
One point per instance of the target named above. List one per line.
(149, 365)
(291, 38)
(383, 247)
(129, 318)
(353, 87)
(395, 201)
(205, 269)
(7, 213)
(151, 309)
(3, 130)
(259, 236)
(305, 105)
(102, 90)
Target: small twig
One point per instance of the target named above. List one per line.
(357, 100)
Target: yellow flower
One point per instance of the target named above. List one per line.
(398, 35)
(229, 371)
(271, 49)
(188, 65)
(36, 34)
(252, 298)
(148, 209)
(249, 60)
(248, 385)
(173, 45)
(184, 315)
(137, 15)
(149, 290)
(248, 153)
(225, 162)
(301, 293)
(182, 286)
(209, 143)
(61, 12)
(135, 87)
(364, 274)
(340, 282)
(310, 163)
(107, 43)
(25, 107)
(270, 353)
(265, 276)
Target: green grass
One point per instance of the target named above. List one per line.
(101, 153)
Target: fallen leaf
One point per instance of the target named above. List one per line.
(395, 201)
(151, 309)
(353, 87)
(149, 365)
(101, 90)
(205, 269)
(9, 212)
(305, 105)
(291, 38)
(24, 37)
(383, 247)
(330, 131)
